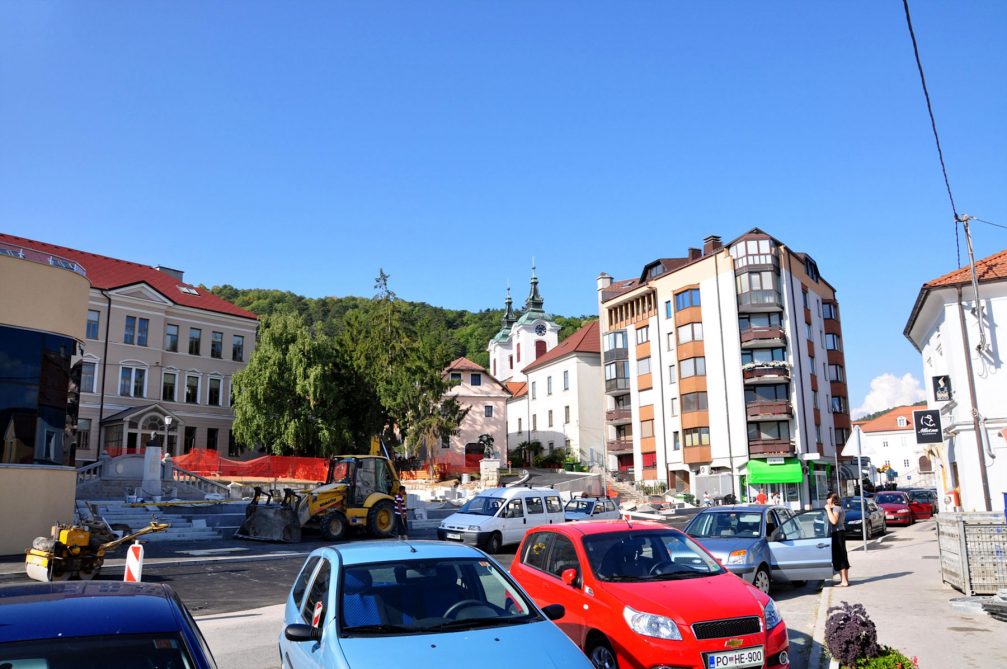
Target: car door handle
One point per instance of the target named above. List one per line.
(822, 545)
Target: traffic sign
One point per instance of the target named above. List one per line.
(134, 563)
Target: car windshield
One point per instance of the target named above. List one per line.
(852, 503)
(428, 596)
(710, 524)
(482, 506)
(119, 651)
(647, 555)
(891, 498)
(579, 506)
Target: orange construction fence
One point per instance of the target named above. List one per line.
(209, 463)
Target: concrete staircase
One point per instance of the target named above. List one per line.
(187, 523)
(118, 489)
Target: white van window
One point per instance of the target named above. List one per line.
(514, 509)
(482, 506)
(552, 505)
(534, 505)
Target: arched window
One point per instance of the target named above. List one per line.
(539, 348)
(925, 467)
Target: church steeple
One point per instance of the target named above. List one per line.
(508, 318)
(534, 301)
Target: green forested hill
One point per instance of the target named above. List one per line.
(467, 332)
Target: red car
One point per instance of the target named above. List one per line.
(900, 509)
(641, 595)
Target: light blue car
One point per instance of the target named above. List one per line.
(421, 604)
(765, 544)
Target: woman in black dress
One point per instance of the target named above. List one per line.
(837, 530)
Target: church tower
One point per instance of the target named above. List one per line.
(522, 339)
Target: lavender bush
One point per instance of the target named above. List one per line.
(850, 635)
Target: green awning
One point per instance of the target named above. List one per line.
(759, 471)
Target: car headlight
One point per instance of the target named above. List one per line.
(738, 557)
(651, 624)
(773, 617)
(473, 528)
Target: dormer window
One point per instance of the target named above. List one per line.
(476, 380)
(188, 291)
(456, 376)
(901, 421)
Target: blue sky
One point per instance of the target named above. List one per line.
(302, 146)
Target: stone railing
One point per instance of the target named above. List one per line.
(91, 472)
(179, 475)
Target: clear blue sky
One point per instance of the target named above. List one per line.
(304, 145)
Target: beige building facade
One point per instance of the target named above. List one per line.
(485, 398)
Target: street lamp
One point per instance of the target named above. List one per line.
(167, 426)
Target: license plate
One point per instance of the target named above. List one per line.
(452, 535)
(889, 517)
(745, 657)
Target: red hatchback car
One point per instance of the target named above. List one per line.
(900, 509)
(642, 595)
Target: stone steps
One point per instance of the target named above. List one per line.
(187, 525)
(104, 489)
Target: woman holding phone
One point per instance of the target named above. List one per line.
(837, 530)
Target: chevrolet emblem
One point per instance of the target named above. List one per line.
(733, 643)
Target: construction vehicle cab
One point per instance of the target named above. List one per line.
(358, 492)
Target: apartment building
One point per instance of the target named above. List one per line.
(158, 358)
(724, 371)
(561, 402)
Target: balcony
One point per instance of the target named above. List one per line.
(770, 447)
(760, 300)
(619, 446)
(618, 416)
(614, 354)
(692, 455)
(756, 337)
(617, 386)
(765, 372)
(775, 410)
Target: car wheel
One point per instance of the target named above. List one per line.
(602, 656)
(381, 519)
(334, 526)
(761, 580)
(493, 543)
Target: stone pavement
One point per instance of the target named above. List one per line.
(899, 583)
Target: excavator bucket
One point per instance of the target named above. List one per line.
(270, 523)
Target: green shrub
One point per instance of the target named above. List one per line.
(889, 659)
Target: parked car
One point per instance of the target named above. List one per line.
(900, 509)
(591, 508)
(417, 603)
(643, 594)
(876, 523)
(764, 544)
(501, 516)
(925, 496)
(98, 625)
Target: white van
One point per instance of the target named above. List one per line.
(501, 516)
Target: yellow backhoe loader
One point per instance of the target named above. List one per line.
(359, 492)
(76, 551)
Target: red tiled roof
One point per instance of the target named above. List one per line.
(585, 340)
(463, 364)
(992, 268)
(888, 421)
(107, 273)
(517, 388)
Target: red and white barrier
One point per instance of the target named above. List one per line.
(134, 563)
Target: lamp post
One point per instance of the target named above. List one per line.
(167, 426)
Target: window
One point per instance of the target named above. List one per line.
(693, 367)
(836, 373)
(216, 344)
(168, 381)
(536, 547)
(671, 373)
(550, 417)
(674, 406)
(566, 414)
(171, 338)
(190, 439)
(749, 321)
(643, 366)
(129, 332)
(667, 309)
(646, 429)
(213, 395)
(776, 392)
(833, 343)
(192, 389)
(488, 411)
(901, 421)
(534, 391)
(690, 332)
(770, 430)
(814, 398)
(676, 442)
(510, 362)
(519, 352)
(84, 434)
(671, 340)
(534, 423)
(519, 428)
(566, 380)
(142, 327)
(195, 335)
(617, 370)
(319, 593)
(548, 385)
(905, 463)
(476, 379)
(884, 444)
(829, 311)
(752, 281)
(552, 503)
(614, 340)
(842, 435)
(132, 382)
(534, 505)
(686, 299)
(643, 334)
(237, 348)
(762, 355)
(93, 319)
(211, 438)
(456, 377)
(839, 405)
(697, 436)
(694, 402)
(87, 370)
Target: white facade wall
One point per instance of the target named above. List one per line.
(897, 448)
(523, 337)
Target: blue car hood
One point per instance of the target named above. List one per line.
(539, 645)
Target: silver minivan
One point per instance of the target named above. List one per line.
(501, 516)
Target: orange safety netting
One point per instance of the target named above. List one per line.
(209, 463)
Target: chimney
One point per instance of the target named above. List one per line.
(695, 254)
(604, 281)
(177, 273)
(711, 244)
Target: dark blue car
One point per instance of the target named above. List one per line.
(98, 625)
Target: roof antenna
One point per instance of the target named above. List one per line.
(412, 549)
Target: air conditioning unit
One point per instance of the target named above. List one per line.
(704, 470)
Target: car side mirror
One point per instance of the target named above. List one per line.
(300, 632)
(554, 611)
(777, 535)
(569, 577)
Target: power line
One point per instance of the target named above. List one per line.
(933, 125)
(996, 225)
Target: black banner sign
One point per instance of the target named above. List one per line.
(927, 423)
(942, 388)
